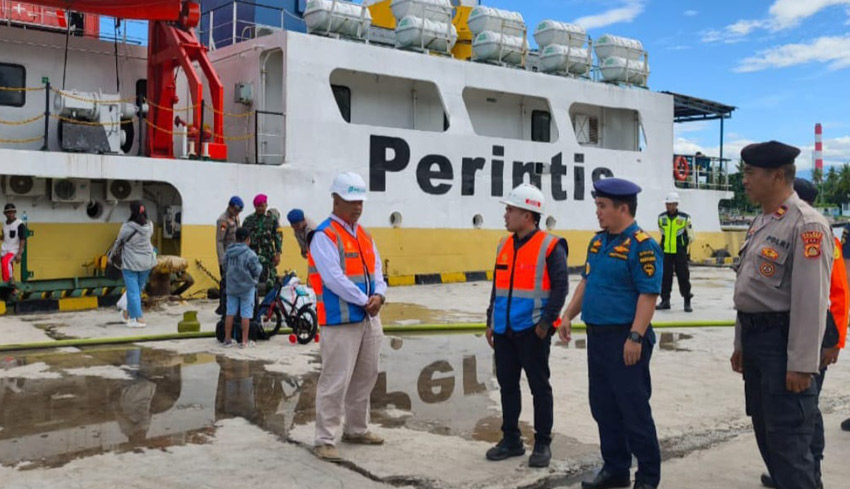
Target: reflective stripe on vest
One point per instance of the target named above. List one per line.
(357, 261)
(672, 229)
(521, 282)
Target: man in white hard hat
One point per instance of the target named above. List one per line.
(677, 233)
(345, 271)
(530, 285)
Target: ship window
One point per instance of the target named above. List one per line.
(510, 115)
(387, 101)
(541, 123)
(12, 76)
(608, 127)
(343, 100)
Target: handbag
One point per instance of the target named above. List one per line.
(115, 258)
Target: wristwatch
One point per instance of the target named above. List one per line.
(635, 336)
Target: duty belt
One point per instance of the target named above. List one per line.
(597, 329)
(764, 319)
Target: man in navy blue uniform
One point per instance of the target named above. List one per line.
(620, 283)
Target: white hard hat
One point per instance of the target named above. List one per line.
(672, 198)
(350, 187)
(527, 197)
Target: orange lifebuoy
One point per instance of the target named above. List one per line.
(681, 168)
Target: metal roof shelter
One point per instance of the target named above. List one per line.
(690, 109)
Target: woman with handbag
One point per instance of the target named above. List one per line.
(133, 254)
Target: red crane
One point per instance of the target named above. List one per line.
(171, 44)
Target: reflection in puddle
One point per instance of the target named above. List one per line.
(437, 384)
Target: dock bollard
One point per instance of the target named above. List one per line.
(190, 323)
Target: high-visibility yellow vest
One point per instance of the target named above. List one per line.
(676, 232)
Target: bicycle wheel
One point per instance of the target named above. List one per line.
(271, 323)
(305, 325)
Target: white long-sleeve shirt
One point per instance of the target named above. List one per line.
(326, 257)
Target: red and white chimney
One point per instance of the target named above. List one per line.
(818, 147)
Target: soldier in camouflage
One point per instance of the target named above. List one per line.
(266, 241)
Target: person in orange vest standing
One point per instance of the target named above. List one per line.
(345, 272)
(530, 285)
(836, 330)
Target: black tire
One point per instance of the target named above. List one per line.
(271, 326)
(305, 325)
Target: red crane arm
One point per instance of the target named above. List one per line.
(168, 10)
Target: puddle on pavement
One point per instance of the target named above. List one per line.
(436, 384)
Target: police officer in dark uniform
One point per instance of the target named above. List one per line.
(620, 283)
(781, 295)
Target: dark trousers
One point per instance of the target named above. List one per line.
(619, 402)
(222, 287)
(679, 264)
(515, 352)
(783, 422)
(818, 440)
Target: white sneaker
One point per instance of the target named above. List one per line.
(228, 344)
(133, 323)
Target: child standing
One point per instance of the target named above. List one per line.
(242, 271)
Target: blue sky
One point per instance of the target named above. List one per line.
(784, 63)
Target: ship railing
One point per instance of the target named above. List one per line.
(222, 26)
(702, 172)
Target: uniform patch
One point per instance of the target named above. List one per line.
(781, 211)
(618, 255)
(594, 248)
(641, 236)
(770, 253)
(767, 269)
(812, 241)
(649, 269)
(622, 249)
(224, 227)
(647, 253)
(587, 268)
(648, 259)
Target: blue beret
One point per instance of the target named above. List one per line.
(295, 216)
(805, 189)
(615, 188)
(771, 154)
(235, 201)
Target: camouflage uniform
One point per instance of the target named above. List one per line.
(266, 241)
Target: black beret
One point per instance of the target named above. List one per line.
(771, 154)
(615, 188)
(805, 189)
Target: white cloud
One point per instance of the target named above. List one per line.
(789, 13)
(832, 50)
(690, 13)
(625, 13)
(782, 15)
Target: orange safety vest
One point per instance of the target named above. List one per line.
(839, 295)
(521, 281)
(357, 259)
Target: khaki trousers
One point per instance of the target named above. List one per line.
(349, 372)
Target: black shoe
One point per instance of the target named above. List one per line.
(644, 485)
(688, 307)
(845, 425)
(663, 306)
(605, 479)
(767, 480)
(502, 451)
(541, 456)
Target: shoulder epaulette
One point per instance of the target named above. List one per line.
(641, 236)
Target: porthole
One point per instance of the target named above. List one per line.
(395, 219)
(477, 221)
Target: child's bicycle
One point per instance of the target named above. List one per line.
(294, 303)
